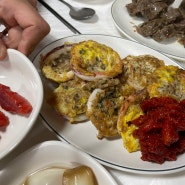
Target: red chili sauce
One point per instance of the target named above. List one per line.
(161, 130)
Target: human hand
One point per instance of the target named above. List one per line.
(26, 28)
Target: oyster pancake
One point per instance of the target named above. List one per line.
(102, 109)
(138, 69)
(70, 100)
(91, 60)
(167, 81)
(56, 66)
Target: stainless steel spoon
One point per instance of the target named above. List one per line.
(79, 13)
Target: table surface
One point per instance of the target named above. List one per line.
(101, 23)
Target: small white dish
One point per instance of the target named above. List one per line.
(18, 73)
(109, 152)
(126, 25)
(51, 154)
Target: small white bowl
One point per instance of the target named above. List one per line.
(18, 73)
(51, 154)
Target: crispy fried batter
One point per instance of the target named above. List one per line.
(103, 110)
(94, 60)
(56, 64)
(69, 99)
(167, 81)
(138, 69)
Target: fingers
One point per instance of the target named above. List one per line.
(3, 51)
(26, 28)
(35, 28)
(13, 37)
(31, 36)
(33, 2)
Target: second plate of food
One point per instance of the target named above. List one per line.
(127, 25)
(83, 135)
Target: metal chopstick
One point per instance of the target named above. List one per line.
(72, 28)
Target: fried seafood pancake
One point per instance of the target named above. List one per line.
(138, 69)
(56, 64)
(129, 111)
(167, 81)
(91, 60)
(102, 110)
(70, 100)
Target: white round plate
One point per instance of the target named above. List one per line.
(126, 24)
(17, 72)
(109, 152)
(51, 154)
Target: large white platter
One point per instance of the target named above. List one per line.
(126, 24)
(83, 135)
(18, 72)
(51, 154)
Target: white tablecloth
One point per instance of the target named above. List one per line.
(102, 23)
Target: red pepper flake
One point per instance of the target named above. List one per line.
(161, 131)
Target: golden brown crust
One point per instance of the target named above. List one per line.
(92, 59)
(69, 99)
(56, 66)
(138, 69)
(103, 106)
(167, 81)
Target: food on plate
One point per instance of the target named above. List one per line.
(69, 99)
(4, 121)
(13, 102)
(102, 109)
(101, 84)
(167, 81)
(113, 104)
(129, 111)
(138, 69)
(162, 21)
(149, 9)
(161, 130)
(55, 64)
(80, 175)
(91, 60)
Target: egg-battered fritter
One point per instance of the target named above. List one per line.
(70, 100)
(167, 81)
(56, 64)
(91, 60)
(129, 111)
(103, 107)
(138, 69)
